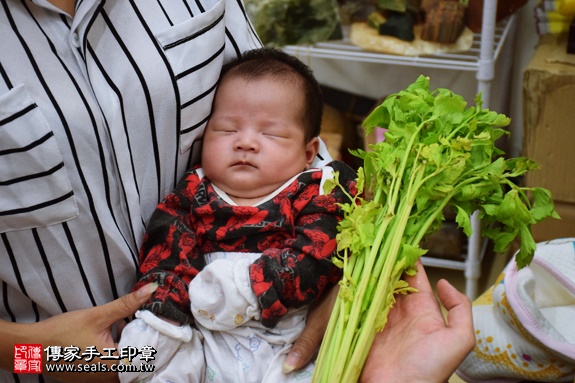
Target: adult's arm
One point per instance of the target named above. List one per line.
(417, 344)
(80, 328)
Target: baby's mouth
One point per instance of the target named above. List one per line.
(243, 163)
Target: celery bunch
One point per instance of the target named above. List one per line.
(436, 153)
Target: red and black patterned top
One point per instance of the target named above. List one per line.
(294, 230)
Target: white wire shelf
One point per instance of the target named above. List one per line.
(485, 51)
(463, 61)
(454, 263)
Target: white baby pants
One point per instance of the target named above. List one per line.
(227, 343)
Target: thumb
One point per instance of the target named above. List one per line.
(309, 341)
(302, 351)
(128, 304)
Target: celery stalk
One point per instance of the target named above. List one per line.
(437, 153)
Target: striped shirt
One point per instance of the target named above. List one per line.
(99, 117)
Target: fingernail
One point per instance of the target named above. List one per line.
(146, 290)
(290, 362)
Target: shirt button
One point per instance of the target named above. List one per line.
(75, 40)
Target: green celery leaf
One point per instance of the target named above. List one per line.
(463, 220)
(527, 250)
(542, 205)
(513, 210)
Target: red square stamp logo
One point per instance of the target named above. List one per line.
(28, 358)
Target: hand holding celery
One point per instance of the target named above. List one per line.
(437, 153)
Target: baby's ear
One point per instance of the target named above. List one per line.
(311, 151)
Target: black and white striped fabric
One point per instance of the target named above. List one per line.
(99, 115)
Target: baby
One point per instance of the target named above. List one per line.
(245, 242)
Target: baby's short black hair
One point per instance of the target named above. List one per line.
(273, 62)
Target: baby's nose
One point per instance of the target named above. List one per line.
(247, 141)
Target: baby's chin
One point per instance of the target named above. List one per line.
(259, 192)
(249, 193)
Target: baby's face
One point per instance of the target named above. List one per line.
(254, 141)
